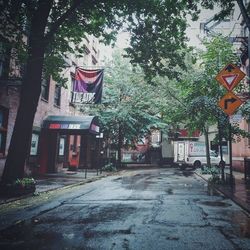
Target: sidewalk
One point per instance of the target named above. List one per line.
(239, 192)
(64, 179)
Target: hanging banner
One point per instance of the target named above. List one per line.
(87, 86)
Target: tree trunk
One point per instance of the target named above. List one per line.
(30, 93)
(120, 144)
(207, 147)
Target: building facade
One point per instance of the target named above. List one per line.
(55, 101)
(233, 28)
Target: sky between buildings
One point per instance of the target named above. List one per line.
(194, 32)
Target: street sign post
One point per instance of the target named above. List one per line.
(230, 76)
(229, 103)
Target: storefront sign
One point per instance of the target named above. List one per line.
(64, 126)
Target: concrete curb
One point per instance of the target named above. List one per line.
(224, 193)
(92, 179)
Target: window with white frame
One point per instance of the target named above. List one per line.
(155, 138)
(34, 144)
(61, 146)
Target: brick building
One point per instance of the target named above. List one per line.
(55, 102)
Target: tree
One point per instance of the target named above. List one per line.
(131, 108)
(199, 92)
(51, 28)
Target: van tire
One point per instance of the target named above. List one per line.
(197, 164)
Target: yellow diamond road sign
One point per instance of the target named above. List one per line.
(229, 103)
(230, 76)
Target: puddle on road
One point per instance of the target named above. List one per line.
(92, 234)
(48, 236)
(215, 203)
(169, 191)
(172, 238)
(118, 179)
(187, 173)
(14, 232)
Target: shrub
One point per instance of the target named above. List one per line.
(25, 182)
(18, 187)
(109, 167)
(214, 179)
(210, 170)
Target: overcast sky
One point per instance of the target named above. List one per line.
(193, 32)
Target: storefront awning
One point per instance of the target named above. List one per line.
(74, 124)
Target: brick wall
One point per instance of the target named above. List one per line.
(241, 149)
(9, 98)
(46, 108)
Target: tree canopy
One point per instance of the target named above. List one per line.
(45, 32)
(157, 29)
(130, 107)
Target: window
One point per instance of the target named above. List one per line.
(61, 146)
(86, 50)
(155, 138)
(72, 82)
(45, 89)
(93, 48)
(87, 39)
(3, 129)
(94, 61)
(57, 97)
(142, 141)
(34, 144)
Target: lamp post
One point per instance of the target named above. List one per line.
(99, 151)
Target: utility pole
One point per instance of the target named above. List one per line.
(222, 163)
(230, 153)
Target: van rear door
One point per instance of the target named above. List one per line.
(181, 151)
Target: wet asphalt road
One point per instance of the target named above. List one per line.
(139, 209)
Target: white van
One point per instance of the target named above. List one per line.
(193, 153)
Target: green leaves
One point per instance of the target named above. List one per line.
(198, 91)
(157, 30)
(130, 106)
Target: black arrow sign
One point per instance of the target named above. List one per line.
(226, 101)
(229, 67)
